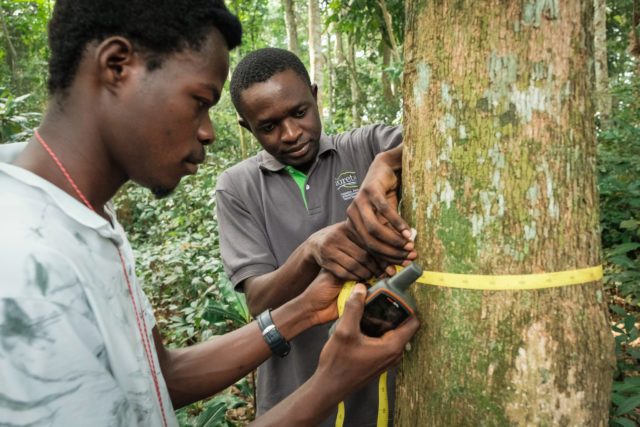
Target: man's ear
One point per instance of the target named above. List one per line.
(314, 91)
(115, 57)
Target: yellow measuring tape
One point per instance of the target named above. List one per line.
(383, 400)
(471, 281)
(512, 281)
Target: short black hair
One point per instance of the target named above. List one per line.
(156, 27)
(259, 66)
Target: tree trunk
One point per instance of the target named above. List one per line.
(356, 93)
(330, 74)
(292, 29)
(499, 178)
(315, 49)
(340, 56)
(634, 36)
(387, 89)
(386, 18)
(11, 51)
(603, 98)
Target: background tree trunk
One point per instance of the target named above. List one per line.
(315, 50)
(387, 88)
(331, 72)
(356, 93)
(388, 28)
(340, 56)
(292, 29)
(603, 98)
(11, 51)
(499, 178)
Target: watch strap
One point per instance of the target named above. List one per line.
(278, 345)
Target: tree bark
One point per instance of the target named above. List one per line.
(292, 29)
(499, 178)
(356, 92)
(315, 49)
(340, 56)
(386, 18)
(11, 51)
(634, 37)
(387, 88)
(603, 97)
(330, 74)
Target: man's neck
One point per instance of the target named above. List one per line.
(81, 152)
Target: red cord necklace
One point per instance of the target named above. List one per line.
(145, 337)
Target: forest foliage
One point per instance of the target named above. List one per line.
(176, 239)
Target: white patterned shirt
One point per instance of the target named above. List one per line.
(71, 352)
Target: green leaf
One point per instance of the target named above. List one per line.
(628, 405)
(620, 339)
(621, 311)
(617, 398)
(629, 224)
(215, 411)
(629, 322)
(624, 422)
(624, 248)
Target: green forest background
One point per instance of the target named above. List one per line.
(360, 73)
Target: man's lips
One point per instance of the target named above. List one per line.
(298, 150)
(194, 160)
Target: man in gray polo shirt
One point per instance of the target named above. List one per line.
(282, 213)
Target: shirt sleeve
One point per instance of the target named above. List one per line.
(53, 362)
(363, 144)
(386, 137)
(244, 246)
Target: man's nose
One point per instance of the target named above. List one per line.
(290, 131)
(206, 132)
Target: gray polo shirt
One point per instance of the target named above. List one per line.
(263, 218)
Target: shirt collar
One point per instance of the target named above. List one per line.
(269, 163)
(67, 204)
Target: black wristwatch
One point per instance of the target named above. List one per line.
(278, 345)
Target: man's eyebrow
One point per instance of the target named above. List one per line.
(295, 108)
(266, 121)
(214, 91)
(270, 120)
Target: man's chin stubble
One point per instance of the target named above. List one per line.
(161, 192)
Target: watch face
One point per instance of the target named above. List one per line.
(381, 314)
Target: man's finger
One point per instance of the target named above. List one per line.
(340, 272)
(344, 264)
(355, 257)
(403, 333)
(379, 231)
(354, 307)
(379, 247)
(391, 214)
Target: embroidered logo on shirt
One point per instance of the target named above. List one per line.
(347, 185)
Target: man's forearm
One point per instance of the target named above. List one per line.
(309, 405)
(279, 286)
(393, 158)
(199, 371)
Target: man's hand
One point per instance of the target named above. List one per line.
(334, 249)
(331, 248)
(321, 296)
(350, 358)
(373, 215)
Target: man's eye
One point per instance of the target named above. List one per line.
(267, 128)
(204, 103)
(300, 113)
